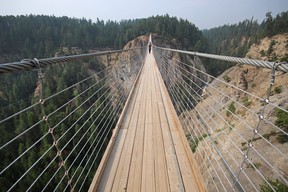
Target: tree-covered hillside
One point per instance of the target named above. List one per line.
(36, 36)
(236, 39)
(41, 36)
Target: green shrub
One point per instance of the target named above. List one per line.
(282, 138)
(278, 89)
(285, 58)
(277, 186)
(282, 118)
(262, 53)
(282, 122)
(254, 166)
(194, 145)
(193, 141)
(226, 78)
(231, 109)
(246, 102)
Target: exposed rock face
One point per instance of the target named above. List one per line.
(242, 82)
(224, 130)
(274, 48)
(125, 65)
(176, 68)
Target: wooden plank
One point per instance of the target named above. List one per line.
(135, 172)
(174, 177)
(187, 174)
(129, 157)
(147, 183)
(161, 173)
(151, 153)
(173, 171)
(120, 180)
(98, 175)
(112, 164)
(135, 99)
(122, 175)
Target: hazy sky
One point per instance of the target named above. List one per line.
(203, 13)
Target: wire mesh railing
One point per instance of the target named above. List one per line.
(235, 128)
(53, 136)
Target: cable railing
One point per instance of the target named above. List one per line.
(238, 136)
(53, 140)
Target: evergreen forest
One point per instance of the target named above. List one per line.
(39, 36)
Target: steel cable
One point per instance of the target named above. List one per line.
(256, 115)
(258, 63)
(217, 113)
(209, 133)
(111, 121)
(200, 154)
(202, 138)
(29, 64)
(63, 147)
(203, 151)
(96, 138)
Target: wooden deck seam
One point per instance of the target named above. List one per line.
(181, 184)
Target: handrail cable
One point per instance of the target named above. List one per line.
(29, 64)
(218, 114)
(38, 142)
(222, 131)
(28, 129)
(106, 125)
(207, 166)
(229, 126)
(268, 162)
(89, 149)
(40, 138)
(212, 143)
(173, 95)
(242, 105)
(231, 85)
(283, 66)
(79, 142)
(204, 151)
(248, 126)
(104, 136)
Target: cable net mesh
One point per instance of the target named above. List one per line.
(235, 129)
(54, 139)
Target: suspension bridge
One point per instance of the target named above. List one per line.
(144, 122)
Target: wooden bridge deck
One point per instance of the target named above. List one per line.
(148, 150)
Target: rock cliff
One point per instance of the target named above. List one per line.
(220, 132)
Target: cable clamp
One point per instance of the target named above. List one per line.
(37, 62)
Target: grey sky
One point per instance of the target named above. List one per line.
(203, 13)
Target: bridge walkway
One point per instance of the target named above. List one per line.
(149, 151)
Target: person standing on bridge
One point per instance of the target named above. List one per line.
(150, 45)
